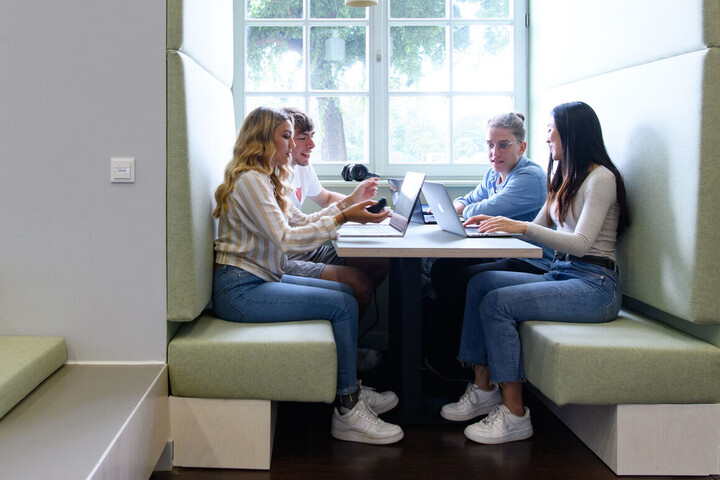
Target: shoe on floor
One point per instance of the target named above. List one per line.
(378, 402)
(500, 426)
(362, 425)
(367, 359)
(474, 402)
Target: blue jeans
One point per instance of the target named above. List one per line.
(496, 301)
(239, 296)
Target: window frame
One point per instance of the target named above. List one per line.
(379, 24)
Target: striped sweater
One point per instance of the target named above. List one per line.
(255, 235)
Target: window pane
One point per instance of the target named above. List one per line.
(481, 8)
(275, 59)
(275, 9)
(483, 58)
(418, 59)
(334, 9)
(419, 129)
(341, 125)
(417, 8)
(275, 101)
(470, 116)
(338, 58)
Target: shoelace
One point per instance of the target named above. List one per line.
(466, 396)
(498, 414)
(368, 414)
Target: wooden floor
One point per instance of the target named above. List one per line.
(304, 449)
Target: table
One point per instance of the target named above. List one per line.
(404, 328)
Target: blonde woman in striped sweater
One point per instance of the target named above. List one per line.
(257, 228)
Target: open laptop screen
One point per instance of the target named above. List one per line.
(404, 199)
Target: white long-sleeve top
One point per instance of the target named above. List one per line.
(255, 235)
(590, 226)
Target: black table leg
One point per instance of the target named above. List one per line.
(404, 334)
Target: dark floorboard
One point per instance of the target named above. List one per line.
(304, 449)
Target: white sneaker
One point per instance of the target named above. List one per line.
(362, 425)
(379, 402)
(474, 402)
(500, 426)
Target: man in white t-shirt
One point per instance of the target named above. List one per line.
(363, 275)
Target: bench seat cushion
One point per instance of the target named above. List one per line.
(24, 363)
(627, 361)
(293, 361)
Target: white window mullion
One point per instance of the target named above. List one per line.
(378, 101)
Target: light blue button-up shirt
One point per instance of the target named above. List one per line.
(520, 197)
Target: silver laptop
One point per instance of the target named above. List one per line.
(420, 212)
(446, 216)
(402, 210)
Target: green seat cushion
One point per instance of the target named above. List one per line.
(629, 360)
(293, 361)
(24, 363)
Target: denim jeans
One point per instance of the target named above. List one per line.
(239, 296)
(496, 301)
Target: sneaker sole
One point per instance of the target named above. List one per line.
(387, 407)
(360, 438)
(459, 417)
(512, 437)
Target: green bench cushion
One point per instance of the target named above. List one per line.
(293, 361)
(24, 363)
(627, 361)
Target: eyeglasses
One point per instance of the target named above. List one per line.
(500, 145)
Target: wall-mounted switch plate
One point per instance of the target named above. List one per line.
(122, 170)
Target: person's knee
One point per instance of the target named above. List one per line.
(373, 269)
(360, 284)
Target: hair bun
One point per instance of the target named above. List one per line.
(520, 115)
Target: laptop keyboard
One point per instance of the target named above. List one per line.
(370, 228)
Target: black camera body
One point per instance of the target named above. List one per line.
(377, 208)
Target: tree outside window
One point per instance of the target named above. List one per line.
(429, 71)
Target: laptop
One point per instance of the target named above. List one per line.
(420, 213)
(403, 207)
(446, 216)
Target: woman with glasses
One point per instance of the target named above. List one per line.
(514, 187)
(258, 226)
(587, 207)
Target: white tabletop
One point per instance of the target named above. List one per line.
(431, 241)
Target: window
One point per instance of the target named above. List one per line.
(408, 84)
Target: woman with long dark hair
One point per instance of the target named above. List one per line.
(587, 206)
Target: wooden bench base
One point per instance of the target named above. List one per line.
(218, 433)
(663, 439)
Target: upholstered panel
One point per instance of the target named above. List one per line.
(294, 361)
(203, 30)
(24, 363)
(574, 40)
(629, 360)
(200, 140)
(662, 134)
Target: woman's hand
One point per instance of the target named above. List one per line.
(496, 224)
(359, 213)
(366, 190)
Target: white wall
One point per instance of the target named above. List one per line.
(82, 81)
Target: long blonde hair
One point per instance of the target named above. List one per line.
(254, 150)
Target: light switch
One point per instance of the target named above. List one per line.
(122, 170)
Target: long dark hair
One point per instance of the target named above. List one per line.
(583, 146)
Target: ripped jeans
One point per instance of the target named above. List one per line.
(497, 301)
(239, 296)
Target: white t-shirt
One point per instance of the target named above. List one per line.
(305, 184)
